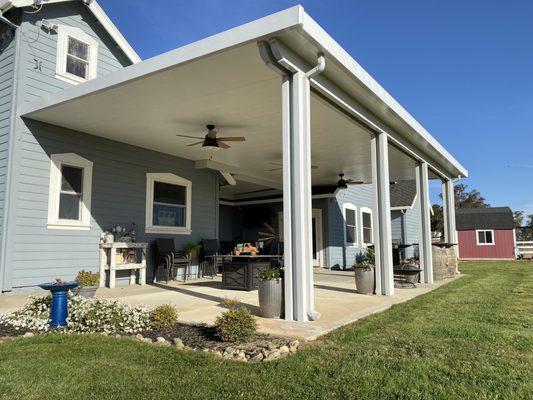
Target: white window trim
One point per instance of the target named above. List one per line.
(368, 211)
(63, 32)
(173, 180)
(74, 160)
(485, 244)
(350, 206)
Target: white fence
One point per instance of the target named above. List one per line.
(525, 249)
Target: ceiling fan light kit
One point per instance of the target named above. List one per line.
(211, 142)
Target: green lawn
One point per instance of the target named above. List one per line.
(470, 339)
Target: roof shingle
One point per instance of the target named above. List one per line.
(484, 218)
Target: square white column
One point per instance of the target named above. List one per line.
(424, 237)
(448, 209)
(297, 207)
(382, 215)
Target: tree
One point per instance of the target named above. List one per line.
(437, 219)
(464, 198)
(518, 218)
(468, 199)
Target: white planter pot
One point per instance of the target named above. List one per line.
(364, 280)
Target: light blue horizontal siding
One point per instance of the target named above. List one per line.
(118, 198)
(34, 253)
(338, 254)
(412, 226)
(397, 225)
(39, 46)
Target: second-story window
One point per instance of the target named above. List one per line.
(77, 58)
(77, 55)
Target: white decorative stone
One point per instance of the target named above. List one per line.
(284, 350)
(178, 343)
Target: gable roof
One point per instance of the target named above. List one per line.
(484, 218)
(97, 11)
(402, 194)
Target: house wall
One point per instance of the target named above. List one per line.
(31, 252)
(118, 198)
(339, 254)
(7, 75)
(502, 249)
(39, 46)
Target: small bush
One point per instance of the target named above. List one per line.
(87, 278)
(163, 317)
(236, 325)
(230, 304)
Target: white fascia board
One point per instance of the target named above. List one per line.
(113, 31)
(97, 11)
(332, 49)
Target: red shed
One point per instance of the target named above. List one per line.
(486, 233)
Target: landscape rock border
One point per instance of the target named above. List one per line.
(243, 352)
(235, 352)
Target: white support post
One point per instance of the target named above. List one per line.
(287, 198)
(297, 207)
(448, 208)
(424, 239)
(382, 215)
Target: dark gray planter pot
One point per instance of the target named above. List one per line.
(414, 278)
(87, 292)
(271, 298)
(364, 280)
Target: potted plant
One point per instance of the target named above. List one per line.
(364, 272)
(411, 264)
(87, 284)
(271, 292)
(192, 249)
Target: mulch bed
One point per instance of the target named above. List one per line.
(193, 336)
(204, 337)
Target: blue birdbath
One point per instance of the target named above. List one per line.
(58, 309)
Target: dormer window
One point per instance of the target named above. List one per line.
(77, 54)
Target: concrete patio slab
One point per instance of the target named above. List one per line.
(199, 301)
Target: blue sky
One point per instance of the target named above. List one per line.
(464, 69)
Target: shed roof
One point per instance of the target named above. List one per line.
(484, 218)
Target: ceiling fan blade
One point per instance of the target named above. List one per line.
(223, 145)
(191, 137)
(232, 139)
(314, 167)
(350, 182)
(195, 144)
(275, 169)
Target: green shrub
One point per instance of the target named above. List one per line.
(230, 304)
(236, 325)
(163, 317)
(87, 278)
(270, 273)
